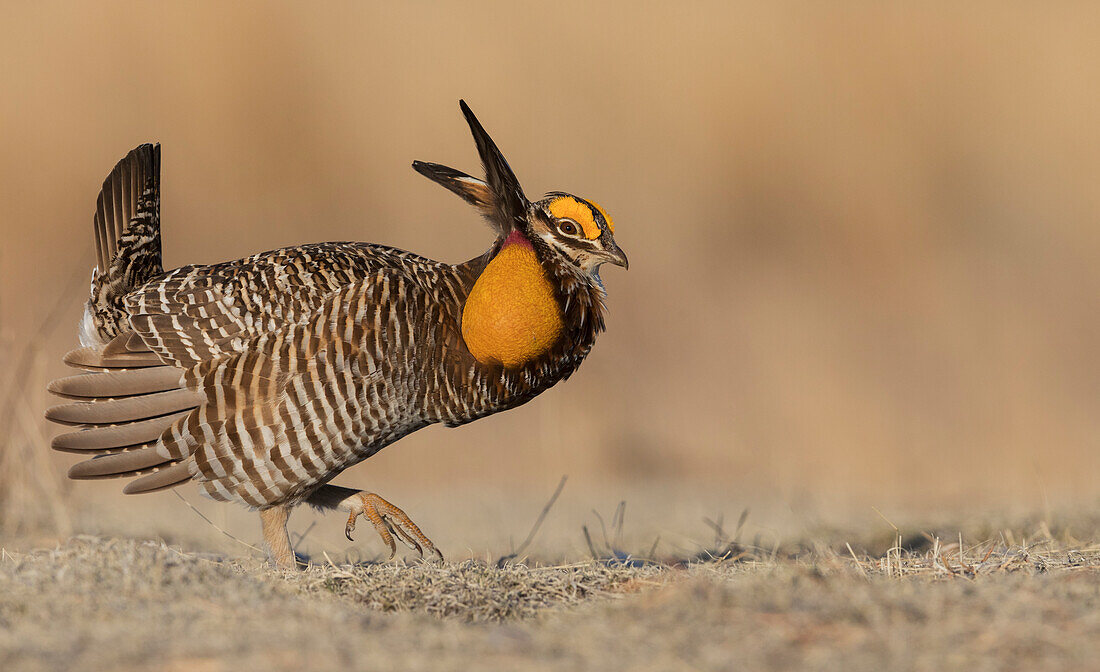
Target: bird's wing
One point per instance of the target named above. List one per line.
(298, 404)
(198, 313)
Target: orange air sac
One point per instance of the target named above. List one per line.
(512, 315)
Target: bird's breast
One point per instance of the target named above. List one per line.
(512, 314)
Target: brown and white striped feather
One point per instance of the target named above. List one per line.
(196, 313)
(303, 402)
(127, 234)
(235, 320)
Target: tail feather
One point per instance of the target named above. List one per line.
(126, 409)
(93, 359)
(128, 190)
(126, 397)
(116, 436)
(162, 479)
(126, 343)
(117, 383)
(127, 234)
(127, 463)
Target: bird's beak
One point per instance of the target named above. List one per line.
(616, 256)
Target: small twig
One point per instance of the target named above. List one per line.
(620, 518)
(740, 525)
(943, 559)
(588, 540)
(302, 536)
(199, 514)
(339, 571)
(603, 528)
(858, 564)
(653, 550)
(538, 523)
(888, 521)
(719, 533)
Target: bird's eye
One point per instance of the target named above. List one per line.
(567, 227)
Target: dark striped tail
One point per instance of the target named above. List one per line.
(127, 237)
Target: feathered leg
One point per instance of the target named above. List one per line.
(388, 520)
(277, 538)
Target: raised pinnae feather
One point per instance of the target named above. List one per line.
(472, 190)
(508, 199)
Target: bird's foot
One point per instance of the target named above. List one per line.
(390, 521)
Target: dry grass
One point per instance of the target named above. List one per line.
(474, 591)
(32, 490)
(95, 603)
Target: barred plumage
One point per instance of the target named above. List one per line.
(264, 378)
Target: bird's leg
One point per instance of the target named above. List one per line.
(388, 520)
(277, 538)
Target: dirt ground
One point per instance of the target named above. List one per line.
(1025, 598)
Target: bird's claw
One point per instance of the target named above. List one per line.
(390, 521)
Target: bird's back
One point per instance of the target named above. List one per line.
(196, 313)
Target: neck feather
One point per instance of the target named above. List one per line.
(512, 315)
(579, 302)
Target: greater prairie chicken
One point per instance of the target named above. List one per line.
(264, 378)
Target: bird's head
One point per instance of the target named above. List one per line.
(576, 229)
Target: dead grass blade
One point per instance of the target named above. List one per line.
(534, 528)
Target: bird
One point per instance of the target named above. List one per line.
(262, 379)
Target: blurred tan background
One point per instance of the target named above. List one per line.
(864, 237)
